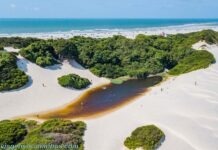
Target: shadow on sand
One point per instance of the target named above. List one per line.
(22, 64)
(76, 65)
(73, 63)
(54, 67)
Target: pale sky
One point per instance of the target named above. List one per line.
(108, 9)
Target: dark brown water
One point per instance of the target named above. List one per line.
(102, 99)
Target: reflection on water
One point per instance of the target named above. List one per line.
(104, 98)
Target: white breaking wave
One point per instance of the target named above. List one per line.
(130, 33)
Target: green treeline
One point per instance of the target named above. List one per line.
(119, 56)
(17, 42)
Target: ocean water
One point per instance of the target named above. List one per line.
(17, 26)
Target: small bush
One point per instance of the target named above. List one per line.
(196, 60)
(146, 137)
(73, 81)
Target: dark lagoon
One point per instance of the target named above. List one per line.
(103, 99)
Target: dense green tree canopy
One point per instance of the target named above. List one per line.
(11, 132)
(47, 53)
(119, 56)
(17, 42)
(64, 49)
(10, 76)
(42, 53)
(1, 48)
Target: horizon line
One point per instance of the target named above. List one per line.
(94, 18)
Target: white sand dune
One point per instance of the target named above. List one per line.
(187, 113)
(34, 97)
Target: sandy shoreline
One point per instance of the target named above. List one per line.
(130, 33)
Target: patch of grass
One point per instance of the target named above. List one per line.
(196, 60)
(120, 80)
(146, 137)
(73, 81)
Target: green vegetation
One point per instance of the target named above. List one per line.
(196, 60)
(116, 56)
(11, 132)
(1, 48)
(41, 53)
(30, 124)
(146, 137)
(54, 131)
(64, 49)
(73, 81)
(57, 132)
(17, 42)
(10, 76)
(145, 55)
(120, 80)
(47, 53)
